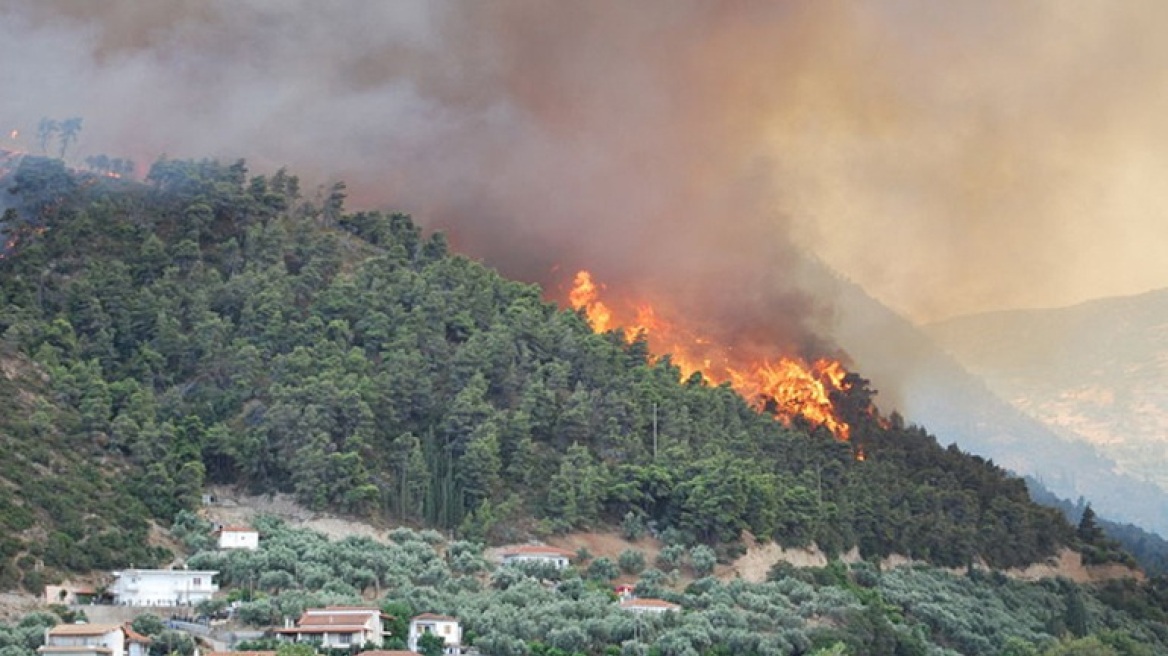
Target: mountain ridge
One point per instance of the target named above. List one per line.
(931, 387)
(1094, 371)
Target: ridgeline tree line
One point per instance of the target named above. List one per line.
(211, 326)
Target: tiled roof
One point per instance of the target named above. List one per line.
(432, 617)
(537, 550)
(322, 619)
(134, 636)
(325, 628)
(83, 629)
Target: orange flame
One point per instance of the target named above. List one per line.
(788, 386)
(586, 296)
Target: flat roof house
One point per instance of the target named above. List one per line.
(163, 587)
(537, 553)
(646, 605)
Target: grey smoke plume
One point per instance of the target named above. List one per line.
(949, 157)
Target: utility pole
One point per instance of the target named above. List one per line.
(654, 431)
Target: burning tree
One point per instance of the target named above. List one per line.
(820, 393)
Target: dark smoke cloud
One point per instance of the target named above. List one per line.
(949, 157)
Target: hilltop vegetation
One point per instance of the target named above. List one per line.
(211, 326)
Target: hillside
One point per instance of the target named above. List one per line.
(933, 388)
(214, 327)
(1096, 373)
(62, 507)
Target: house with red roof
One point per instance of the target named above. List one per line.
(238, 537)
(94, 640)
(338, 626)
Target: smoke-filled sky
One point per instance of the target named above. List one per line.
(949, 157)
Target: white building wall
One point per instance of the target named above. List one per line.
(115, 641)
(559, 561)
(163, 587)
(239, 540)
(451, 632)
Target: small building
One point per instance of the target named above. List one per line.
(388, 652)
(163, 587)
(442, 626)
(537, 553)
(646, 605)
(84, 640)
(338, 626)
(136, 643)
(238, 537)
(69, 594)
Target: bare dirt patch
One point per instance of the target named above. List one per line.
(15, 605)
(233, 509)
(1069, 564)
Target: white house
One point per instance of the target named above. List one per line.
(537, 553)
(337, 626)
(162, 587)
(443, 626)
(238, 537)
(646, 605)
(84, 640)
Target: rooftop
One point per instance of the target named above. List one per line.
(433, 617)
(649, 603)
(537, 550)
(83, 629)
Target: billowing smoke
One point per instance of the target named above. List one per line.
(949, 157)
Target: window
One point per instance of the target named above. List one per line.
(445, 629)
(198, 581)
(345, 638)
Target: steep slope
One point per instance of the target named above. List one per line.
(1095, 372)
(932, 388)
(212, 326)
(62, 505)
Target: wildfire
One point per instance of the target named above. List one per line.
(787, 386)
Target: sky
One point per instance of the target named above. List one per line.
(951, 158)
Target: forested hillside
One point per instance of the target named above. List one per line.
(211, 326)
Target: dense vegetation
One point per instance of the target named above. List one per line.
(520, 611)
(209, 326)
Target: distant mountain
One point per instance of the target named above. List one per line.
(932, 388)
(1095, 373)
